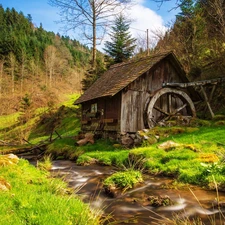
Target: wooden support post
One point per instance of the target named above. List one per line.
(207, 102)
(211, 95)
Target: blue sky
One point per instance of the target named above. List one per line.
(146, 14)
(40, 11)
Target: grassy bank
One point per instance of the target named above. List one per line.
(191, 155)
(33, 197)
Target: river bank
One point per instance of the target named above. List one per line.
(191, 203)
(32, 196)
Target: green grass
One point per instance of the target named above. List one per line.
(198, 157)
(8, 120)
(123, 180)
(116, 158)
(35, 198)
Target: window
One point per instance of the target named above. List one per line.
(94, 108)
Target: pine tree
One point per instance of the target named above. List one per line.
(122, 45)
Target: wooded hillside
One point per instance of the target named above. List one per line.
(198, 38)
(36, 64)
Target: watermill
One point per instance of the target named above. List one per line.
(173, 102)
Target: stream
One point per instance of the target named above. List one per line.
(129, 207)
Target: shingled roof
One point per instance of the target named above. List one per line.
(120, 75)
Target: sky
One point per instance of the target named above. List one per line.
(145, 14)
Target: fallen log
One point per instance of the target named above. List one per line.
(88, 138)
(36, 149)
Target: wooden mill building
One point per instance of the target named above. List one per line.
(130, 96)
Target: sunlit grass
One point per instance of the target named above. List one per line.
(8, 120)
(35, 198)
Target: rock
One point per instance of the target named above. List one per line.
(157, 201)
(168, 145)
(13, 158)
(146, 130)
(145, 137)
(133, 136)
(127, 141)
(152, 140)
(88, 138)
(112, 192)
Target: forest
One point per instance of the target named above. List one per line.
(36, 63)
(198, 38)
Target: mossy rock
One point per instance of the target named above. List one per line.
(158, 201)
(152, 140)
(220, 123)
(219, 117)
(192, 129)
(199, 123)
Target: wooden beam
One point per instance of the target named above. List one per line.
(207, 102)
(196, 83)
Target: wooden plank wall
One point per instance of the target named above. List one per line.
(136, 96)
(109, 109)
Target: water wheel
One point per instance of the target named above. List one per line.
(168, 103)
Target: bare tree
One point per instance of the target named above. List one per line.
(90, 16)
(22, 64)
(216, 13)
(50, 58)
(2, 61)
(12, 68)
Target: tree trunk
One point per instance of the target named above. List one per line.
(1, 76)
(12, 61)
(94, 37)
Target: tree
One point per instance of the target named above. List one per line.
(12, 62)
(91, 75)
(122, 45)
(2, 61)
(50, 57)
(91, 16)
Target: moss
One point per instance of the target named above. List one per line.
(208, 157)
(123, 180)
(218, 117)
(219, 123)
(199, 122)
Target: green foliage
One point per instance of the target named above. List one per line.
(116, 158)
(45, 163)
(124, 180)
(92, 74)
(8, 121)
(121, 46)
(35, 198)
(198, 157)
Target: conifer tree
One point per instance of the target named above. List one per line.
(122, 45)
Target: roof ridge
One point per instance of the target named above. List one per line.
(140, 59)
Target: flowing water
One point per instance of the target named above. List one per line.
(131, 207)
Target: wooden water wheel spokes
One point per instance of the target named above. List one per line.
(168, 103)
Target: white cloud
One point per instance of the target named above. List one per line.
(143, 18)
